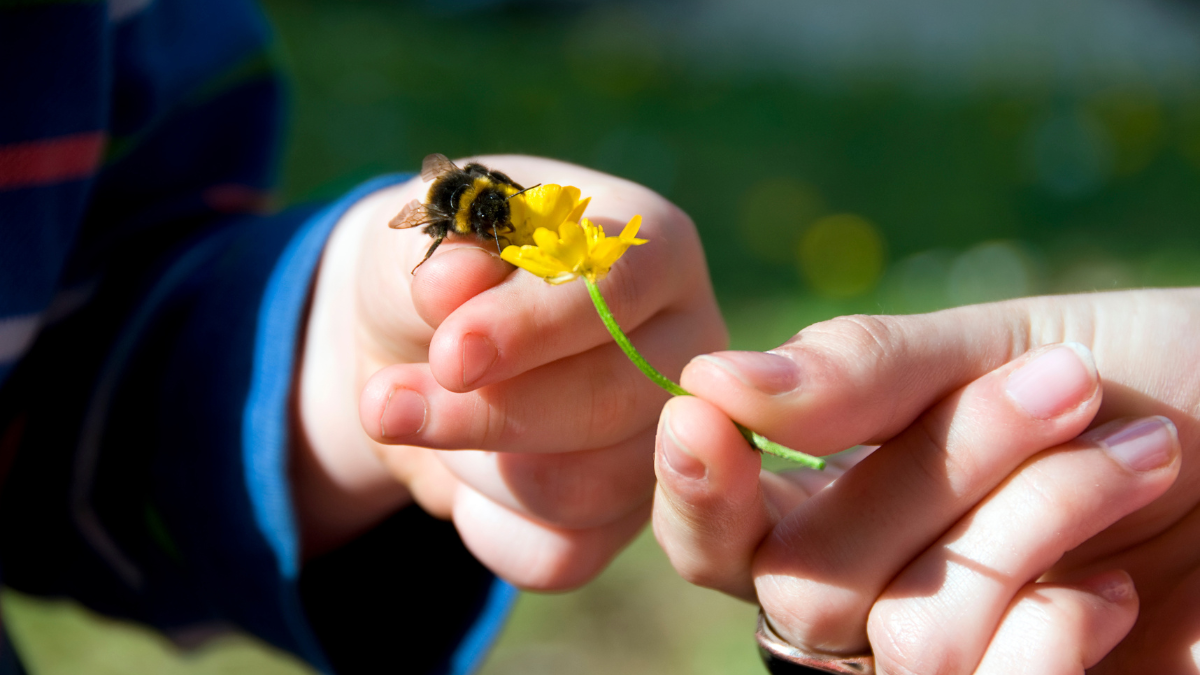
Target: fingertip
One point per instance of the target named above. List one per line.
(708, 524)
(766, 372)
(391, 407)
(786, 395)
(455, 274)
(1052, 381)
(1056, 628)
(1141, 445)
(1115, 587)
(462, 358)
(372, 401)
(699, 443)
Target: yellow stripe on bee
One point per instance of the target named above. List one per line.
(462, 214)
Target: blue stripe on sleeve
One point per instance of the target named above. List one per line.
(478, 641)
(265, 422)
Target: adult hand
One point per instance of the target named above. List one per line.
(489, 396)
(984, 534)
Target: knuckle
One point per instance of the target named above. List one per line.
(859, 334)
(907, 643)
(859, 350)
(569, 496)
(1041, 486)
(789, 619)
(696, 569)
(548, 569)
(930, 464)
(612, 406)
(699, 553)
(807, 612)
(1048, 617)
(492, 427)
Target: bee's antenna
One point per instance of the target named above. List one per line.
(522, 191)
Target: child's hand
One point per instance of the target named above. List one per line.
(493, 397)
(984, 535)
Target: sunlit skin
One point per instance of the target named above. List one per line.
(985, 535)
(559, 425)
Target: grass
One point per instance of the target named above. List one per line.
(638, 617)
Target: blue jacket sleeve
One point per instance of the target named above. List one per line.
(152, 477)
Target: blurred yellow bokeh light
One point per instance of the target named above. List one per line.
(774, 213)
(842, 255)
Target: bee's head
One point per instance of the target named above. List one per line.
(490, 209)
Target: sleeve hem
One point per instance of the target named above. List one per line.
(265, 420)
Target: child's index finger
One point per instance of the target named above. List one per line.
(454, 275)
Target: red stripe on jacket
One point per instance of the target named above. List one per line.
(49, 161)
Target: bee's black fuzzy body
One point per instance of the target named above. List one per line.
(471, 201)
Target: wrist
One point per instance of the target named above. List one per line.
(340, 488)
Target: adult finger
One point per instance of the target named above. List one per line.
(817, 584)
(1059, 629)
(1055, 501)
(1166, 570)
(863, 379)
(534, 555)
(710, 509)
(592, 400)
(581, 489)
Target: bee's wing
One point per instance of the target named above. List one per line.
(413, 214)
(435, 165)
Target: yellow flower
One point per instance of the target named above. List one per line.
(579, 249)
(545, 206)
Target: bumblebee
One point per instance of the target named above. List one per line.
(471, 201)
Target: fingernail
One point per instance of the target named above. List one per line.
(1054, 382)
(1115, 586)
(403, 415)
(478, 355)
(1141, 445)
(769, 373)
(676, 454)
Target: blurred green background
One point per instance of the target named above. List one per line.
(862, 156)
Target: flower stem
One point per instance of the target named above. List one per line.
(756, 440)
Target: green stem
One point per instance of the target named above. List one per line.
(756, 440)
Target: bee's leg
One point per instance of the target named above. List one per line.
(507, 229)
(432, 247)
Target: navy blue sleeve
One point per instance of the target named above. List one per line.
(152, 480)
(150, 317)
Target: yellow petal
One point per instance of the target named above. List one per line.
(534, 260)
(574, 251)
(546, 240)
(629, 234)
(548, 205)
(570, 195)
(567, 244)
(595, 233)
(577, 213)
(518, 215)
(541, 198)
(607, 252)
